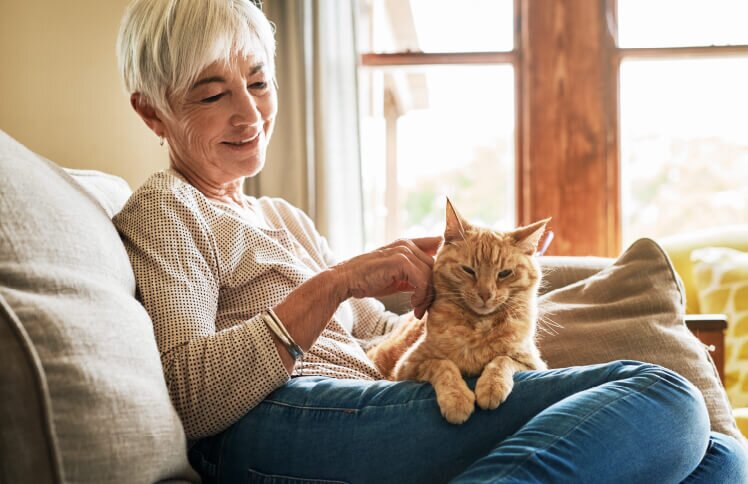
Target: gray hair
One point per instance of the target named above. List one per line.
(163, 45)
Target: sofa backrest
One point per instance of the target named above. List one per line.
(81, 346)
(109, 191)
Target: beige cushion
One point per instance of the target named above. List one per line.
(560, 271)
(634, 310)
(67, 281)
(109, 191)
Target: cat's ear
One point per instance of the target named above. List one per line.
(456, 225)
(528, 237)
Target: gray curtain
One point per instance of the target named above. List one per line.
(313, 158)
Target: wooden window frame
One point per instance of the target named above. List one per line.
(566, 65)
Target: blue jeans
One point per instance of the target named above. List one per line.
(617, 422)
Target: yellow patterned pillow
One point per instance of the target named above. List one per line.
(721, 278)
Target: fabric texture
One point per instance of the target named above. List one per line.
(109, 191)
(632, 309)
(721, 278)
(25, 413)
(679, 248)
(66, 277)
(620, 422)
(561, 271)
(206, 271)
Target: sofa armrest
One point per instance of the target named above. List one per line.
(710, 329)
(560, 271)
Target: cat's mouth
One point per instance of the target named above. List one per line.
(483, 308)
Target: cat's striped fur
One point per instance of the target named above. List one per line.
(482, 322)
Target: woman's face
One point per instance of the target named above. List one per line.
(221, 128)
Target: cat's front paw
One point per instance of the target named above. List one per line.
(456, 403)
(492, 388)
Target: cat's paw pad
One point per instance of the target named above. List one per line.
(456, 404)
(492, 390)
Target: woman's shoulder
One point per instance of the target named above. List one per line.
(165, 197)
(166, 189)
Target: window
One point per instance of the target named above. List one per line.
(618, 118)
(437, 95)
(683, 115)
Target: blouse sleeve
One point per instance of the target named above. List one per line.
(370, 319)
(214, 377)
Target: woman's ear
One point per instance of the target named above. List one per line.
(148, 113)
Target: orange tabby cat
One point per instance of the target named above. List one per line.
(482, 321)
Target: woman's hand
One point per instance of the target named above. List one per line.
(402, 266)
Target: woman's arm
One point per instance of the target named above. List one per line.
(404, 265)
(371, 320)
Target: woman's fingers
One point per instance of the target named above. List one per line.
(429, 245)
(424, 247)
(420, 302)
(418, 276)
(404, 265)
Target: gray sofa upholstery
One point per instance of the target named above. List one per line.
(83, 393)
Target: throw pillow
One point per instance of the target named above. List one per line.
(633, 310)
(721, 278)
(69, 301)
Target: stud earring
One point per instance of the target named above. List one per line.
(161, 140)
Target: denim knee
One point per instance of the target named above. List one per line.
(730, 457)
(676, 392)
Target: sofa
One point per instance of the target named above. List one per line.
(84, 396)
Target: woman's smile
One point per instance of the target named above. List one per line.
(252, 140)
(247, 144)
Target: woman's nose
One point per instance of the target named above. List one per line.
(246, 111)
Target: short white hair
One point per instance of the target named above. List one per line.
(163, 45)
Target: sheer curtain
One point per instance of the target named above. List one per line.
(313, 158)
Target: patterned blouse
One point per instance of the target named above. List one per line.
(205, 271)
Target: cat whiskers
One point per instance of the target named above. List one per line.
(548, 325)
(518, 307)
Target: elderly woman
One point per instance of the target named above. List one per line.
(257, 325)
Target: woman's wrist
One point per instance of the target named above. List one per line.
(307, 309)
(336, 279)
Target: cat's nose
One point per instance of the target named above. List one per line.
(484, 294)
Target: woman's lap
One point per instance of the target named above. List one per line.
(554, 424)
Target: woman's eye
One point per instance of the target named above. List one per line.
(212, 99)
(261, 85)
(505, 273)
(469, 270)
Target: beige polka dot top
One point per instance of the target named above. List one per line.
(205, 271)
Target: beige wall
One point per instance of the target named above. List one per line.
(60, 93)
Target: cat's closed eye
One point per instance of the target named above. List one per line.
(505, 273)
(469, 270)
